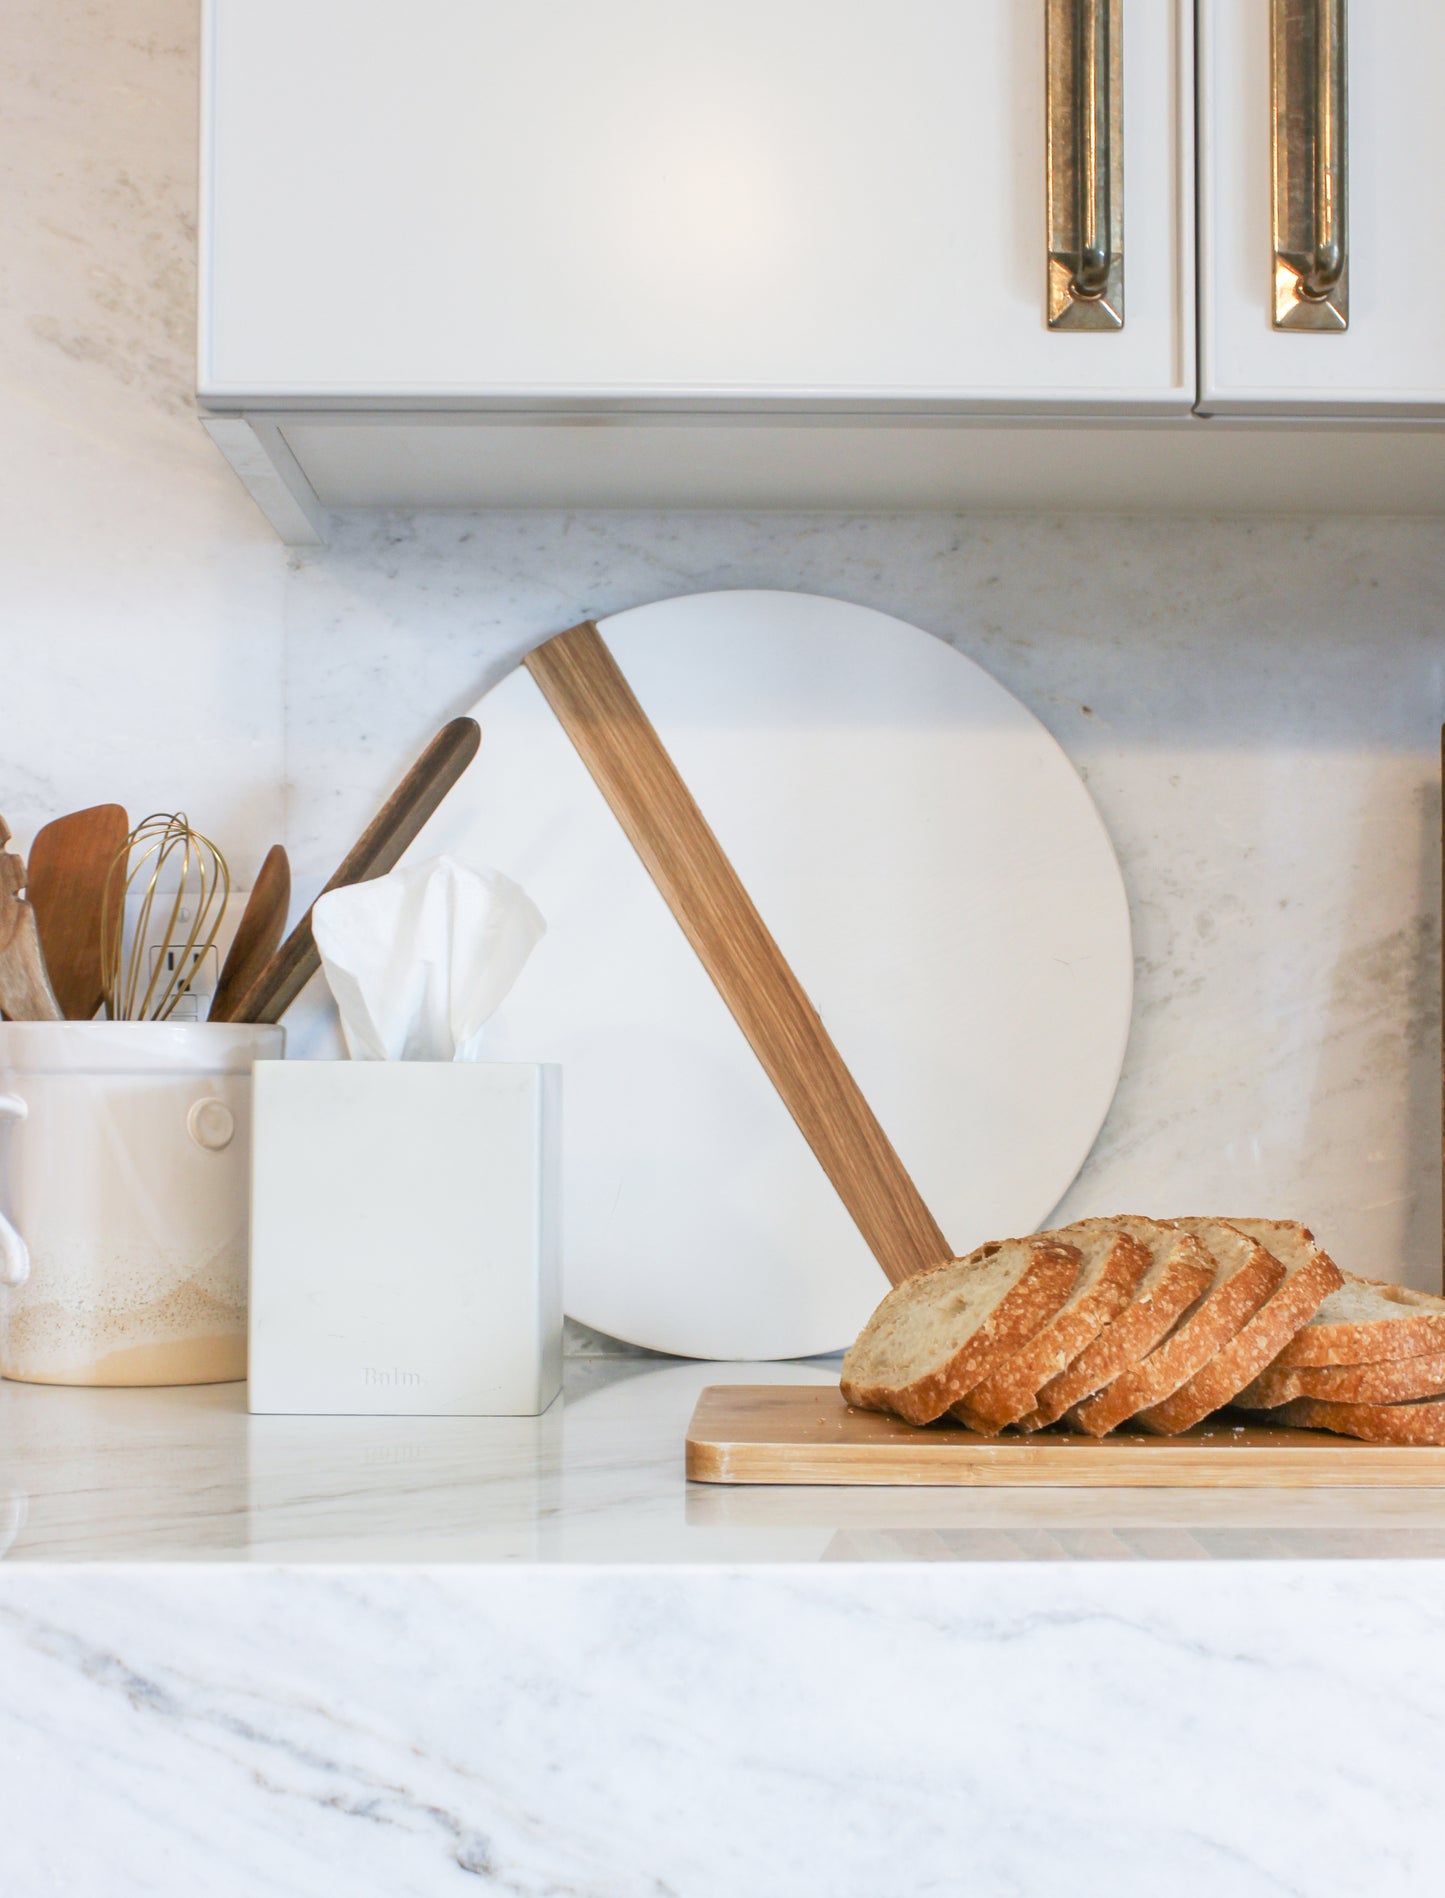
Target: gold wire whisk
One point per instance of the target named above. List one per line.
(162, 848)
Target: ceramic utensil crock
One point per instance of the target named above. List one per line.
(124, 1183)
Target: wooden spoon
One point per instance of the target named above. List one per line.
(379, 849)
(263, 923)
(25, 991)
(69, 863)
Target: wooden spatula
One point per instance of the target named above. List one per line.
(25, 991)
(69, 862)
(379, 849)
(595, 706)
(263, 923)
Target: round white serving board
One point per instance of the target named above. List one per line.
(937, 876)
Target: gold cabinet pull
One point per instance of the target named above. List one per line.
(1085, 164)
(1308, 92)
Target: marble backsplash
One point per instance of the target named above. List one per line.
(1256, 706)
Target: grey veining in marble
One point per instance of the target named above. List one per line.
(1264, 1732)
(1256, 707)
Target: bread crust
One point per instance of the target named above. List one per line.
(1219, 1317)
(1148, 1324)
(1184, 1275)
(1422, 1422)
(1395, 1381)
(1257, 1345)
(1317, 1346)
(1010, 1391)
(1031, 1301)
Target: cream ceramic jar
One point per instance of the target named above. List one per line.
(124, 1190)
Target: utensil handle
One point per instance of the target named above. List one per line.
(25, 991)
(379, 849)
(585, 687)
(14, 1253)
(258, 935)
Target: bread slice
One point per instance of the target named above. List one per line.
(1421, 1422)
(1310, 1275)
(1244, 1277)
(1366, 1321)
(937, 1335)
(1179, 1271)
(1113, 1264)
(1396, 1381)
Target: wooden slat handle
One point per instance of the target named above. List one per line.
(379, 849)
(585, 687)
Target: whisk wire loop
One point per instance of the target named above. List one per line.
(165, 859)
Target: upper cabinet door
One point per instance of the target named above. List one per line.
(1320, 124)
(744, 205)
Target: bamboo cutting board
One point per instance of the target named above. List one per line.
(805, 1433)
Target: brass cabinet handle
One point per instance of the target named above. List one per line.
(1085, 164)
(1311, 177)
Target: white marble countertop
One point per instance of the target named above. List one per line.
(188, 1475)
(412, 1656)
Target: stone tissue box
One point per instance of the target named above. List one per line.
(405, 1255)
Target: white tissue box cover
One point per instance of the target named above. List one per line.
(405, 1255)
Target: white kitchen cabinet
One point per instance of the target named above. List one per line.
(786, 253)
(1390, 361)
(765, 203)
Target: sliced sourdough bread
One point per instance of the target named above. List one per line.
(939, 1334)
(1244, 1277)
(1421, 1422)
(1179, 1271)
(1113, 1264)
(1396, 1381)
(1365, 1321)
(1310, 1275)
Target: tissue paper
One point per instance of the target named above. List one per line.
(419, 959)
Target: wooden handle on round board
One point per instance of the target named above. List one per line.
(586, 689)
